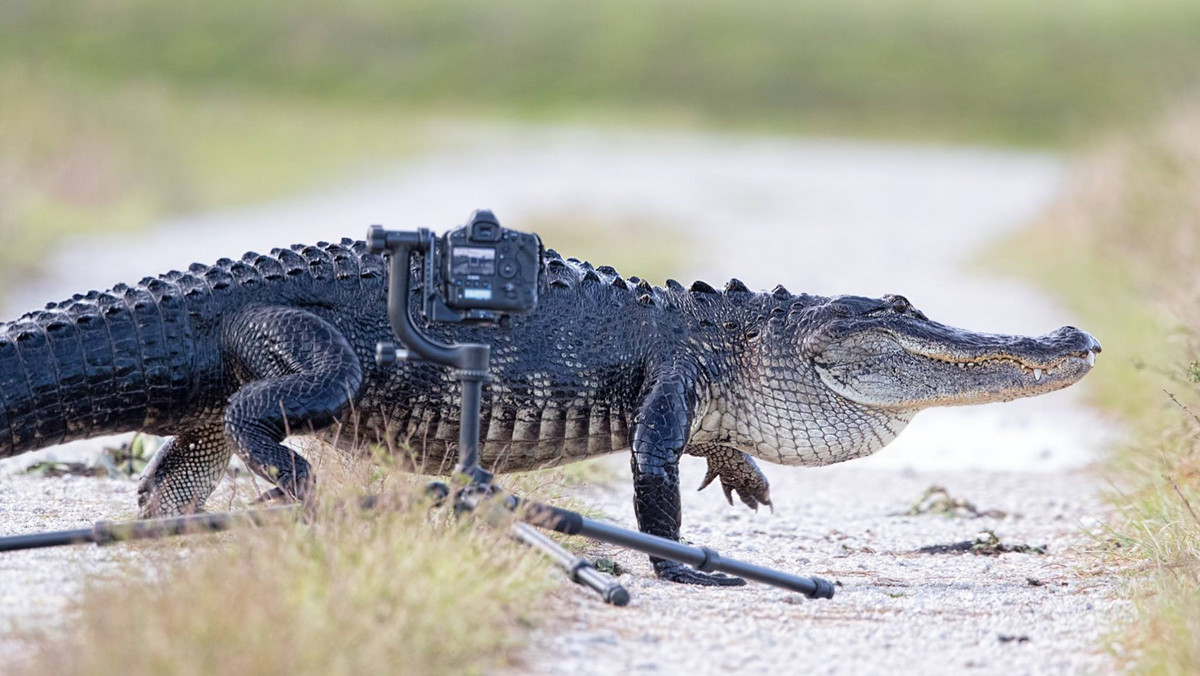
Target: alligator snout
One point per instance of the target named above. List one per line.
(1075, 342)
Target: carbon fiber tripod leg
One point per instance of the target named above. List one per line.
(578, 569)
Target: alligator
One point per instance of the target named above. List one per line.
(236, 356)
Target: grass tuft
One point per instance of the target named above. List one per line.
(400, 589)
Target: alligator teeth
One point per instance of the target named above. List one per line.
(1037, 374)
(1091, 358)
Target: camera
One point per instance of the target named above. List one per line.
(479, 273)
(483, 270)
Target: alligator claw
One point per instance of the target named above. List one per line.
(753, 497)
(672, 571)
(737, 472)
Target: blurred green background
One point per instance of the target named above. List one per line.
(117, 112)
(1011, 71)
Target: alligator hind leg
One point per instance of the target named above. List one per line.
(298, 373)
(184, 472)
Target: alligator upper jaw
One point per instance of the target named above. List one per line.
(966, 349)
(937, 365)
(993, 367)
(1036, 366)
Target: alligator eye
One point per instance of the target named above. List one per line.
(899, 304)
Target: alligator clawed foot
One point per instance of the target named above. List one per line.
(672, 571)
(742, 476)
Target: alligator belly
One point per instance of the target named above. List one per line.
(511, 440)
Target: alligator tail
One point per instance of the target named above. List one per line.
(98, 364)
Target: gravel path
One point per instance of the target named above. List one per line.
(821, 217)
(895, 611)
(35, 585)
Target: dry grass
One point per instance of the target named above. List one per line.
(1123, 250)
(402, 590)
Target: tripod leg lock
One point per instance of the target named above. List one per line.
(711, 561)
(552, 518)
(579, 565)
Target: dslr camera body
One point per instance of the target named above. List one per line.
(480, 273)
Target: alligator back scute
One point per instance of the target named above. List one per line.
(70, 370)
(96, 355)
(34, 352)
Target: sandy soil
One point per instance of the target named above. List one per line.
(895, 610)
(821, 217)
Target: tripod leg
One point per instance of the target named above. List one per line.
(579, 569)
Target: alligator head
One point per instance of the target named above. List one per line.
(882, 353)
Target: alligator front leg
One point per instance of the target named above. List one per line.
(298, 374)
(737, 471)
(660, 430)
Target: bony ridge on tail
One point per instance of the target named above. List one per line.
(232, 357)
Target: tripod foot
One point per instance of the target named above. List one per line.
(824, 589)
(617, 596)
(672, 571)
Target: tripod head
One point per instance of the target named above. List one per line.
(479, 273)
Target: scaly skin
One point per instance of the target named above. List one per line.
(230, 358)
